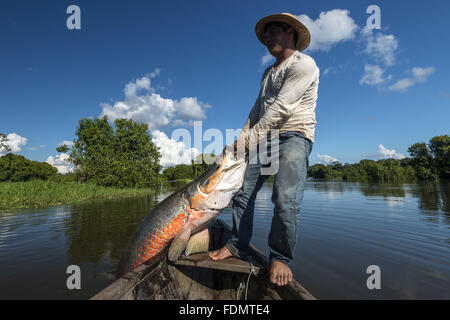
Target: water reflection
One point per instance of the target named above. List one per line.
(103, 229)
(344, 227)
(384, 190)
(432, 198)
(445, 195)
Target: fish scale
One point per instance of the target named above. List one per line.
(155, 240)
(187, 210)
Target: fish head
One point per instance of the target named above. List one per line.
(216, 192)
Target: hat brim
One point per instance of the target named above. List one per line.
(304, 36)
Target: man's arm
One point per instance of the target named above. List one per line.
(253, 113)
(298, 79)
(244, 132)
(252, 116)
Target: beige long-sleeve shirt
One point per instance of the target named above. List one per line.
(286, 101)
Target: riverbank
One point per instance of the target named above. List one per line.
(39, 193)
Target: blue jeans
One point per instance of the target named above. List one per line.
(287, 196)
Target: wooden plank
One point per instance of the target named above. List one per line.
(229, 264)
(123, 286)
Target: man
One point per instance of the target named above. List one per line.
(286, 102)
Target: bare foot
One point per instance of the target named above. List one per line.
(280, 273)
(220, 254)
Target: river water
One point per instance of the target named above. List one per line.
(345, 228)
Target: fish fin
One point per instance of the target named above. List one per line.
(179, 243)
(199, 242)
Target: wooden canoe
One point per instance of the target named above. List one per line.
(197, 277)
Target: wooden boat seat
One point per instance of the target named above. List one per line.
(232, 264)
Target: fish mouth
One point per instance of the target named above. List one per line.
(230, 162)
(217, 190)
(227, 165)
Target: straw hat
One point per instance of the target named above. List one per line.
(304, 37)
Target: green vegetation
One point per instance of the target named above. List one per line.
(40, 193)
(17, 168)
(179, 172)
(188, 172)
(119, 156)
(110, 162)
(427, 162)
(387, 170)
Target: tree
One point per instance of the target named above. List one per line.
(426, 163)
(422, 161)
(317, 171)
(180, 171)
(122, 155)
(3, 146)
(17, 168)
(440, 149)
(63, 149)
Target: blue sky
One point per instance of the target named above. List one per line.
(169, 63)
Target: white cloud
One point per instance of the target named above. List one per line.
(419, 75)
(143, 104)
(373, 75)
(131, 88)
(15, 142)
(326, 159)
(154, 74)
(61, 163)
(402, 85)
(336, 69)
(191, 109)
(173, 152)
(380, 47)
(329, 29)
(384, 153)
(422, 74)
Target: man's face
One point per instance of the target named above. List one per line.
(277, 39)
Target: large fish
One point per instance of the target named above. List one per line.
(185, 212)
